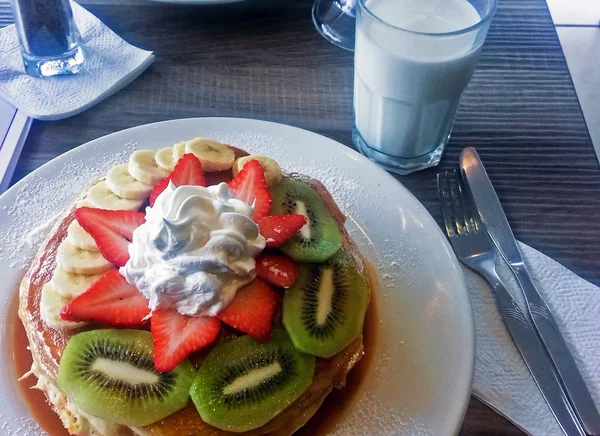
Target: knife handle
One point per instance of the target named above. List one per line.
(559, 353)
(536, 358)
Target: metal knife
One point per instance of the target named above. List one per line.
(493, 217)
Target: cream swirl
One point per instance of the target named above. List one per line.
(195, 250)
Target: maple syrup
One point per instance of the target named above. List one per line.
(333, 409)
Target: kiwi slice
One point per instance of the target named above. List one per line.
(244, 383)
(324, 310)
(110, 374)
(320, 238)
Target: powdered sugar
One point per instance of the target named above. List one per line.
(390, 227)
(39, 200)
(344, 187)
(25, 426)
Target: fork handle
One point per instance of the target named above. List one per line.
(559, 353)
(532, 350)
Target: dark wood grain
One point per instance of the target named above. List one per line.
(263, 60)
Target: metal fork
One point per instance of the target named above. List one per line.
(476, 250)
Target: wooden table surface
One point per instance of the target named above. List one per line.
(263, 60)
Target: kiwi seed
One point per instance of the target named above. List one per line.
(320, 238)
(324, 310)
(244, 383)
(110, 374)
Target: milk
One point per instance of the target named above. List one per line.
(407, 85)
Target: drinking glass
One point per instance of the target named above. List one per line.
(336, 21)
(50, 42)
(413, 60)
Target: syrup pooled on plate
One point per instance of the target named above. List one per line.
(307, 364)
(333, 409)
(34, 398)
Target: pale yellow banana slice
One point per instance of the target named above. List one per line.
(83, 203)
(165, 159)
(75, 260)
(213, 155)
(120, 181)
(178, 152)
(77, 236)
(100, 196)
(271, 168)
(70, 285)
(143, 167)
(51, 303)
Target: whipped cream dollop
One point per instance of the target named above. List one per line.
(195, 250)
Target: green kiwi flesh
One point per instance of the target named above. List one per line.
(320, 238)
(244, 383)
(110, 374)
(324, 310)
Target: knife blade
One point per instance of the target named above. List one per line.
(492, 215)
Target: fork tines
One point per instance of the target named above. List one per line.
(460, 215)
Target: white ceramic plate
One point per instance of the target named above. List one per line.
(420, 380)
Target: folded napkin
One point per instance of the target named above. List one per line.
(110, 64)
(501, 378)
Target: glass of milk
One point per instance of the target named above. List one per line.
(413, 60)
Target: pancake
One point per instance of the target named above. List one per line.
(47, 344)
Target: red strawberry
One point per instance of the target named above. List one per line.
(279, 228)
(249, 185)
(112, 230)
(110, 300)
(252, 309)
(276, 269)
(160, 187)
(176, 336)
(187, 171)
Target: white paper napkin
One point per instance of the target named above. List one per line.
(501, 378)
(110, 64)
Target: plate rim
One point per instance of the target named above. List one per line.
(466, 391)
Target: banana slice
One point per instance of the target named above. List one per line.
(213, 155)
(272, 170)
(70, 285)
(143, 167)
(120, 181)
(77, 236)
(83, 203)
(165, 159)
(75, 260)
(51, 304)
(102, 197)
(178, 152)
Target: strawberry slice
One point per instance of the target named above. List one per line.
(187, 171)
(249, 185)
(279, 228)
(160, 187)
(110, 300)
(176, 336)
(276, 269)
(252, 309)
(112, 230)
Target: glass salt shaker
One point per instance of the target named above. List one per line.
(50, 42)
